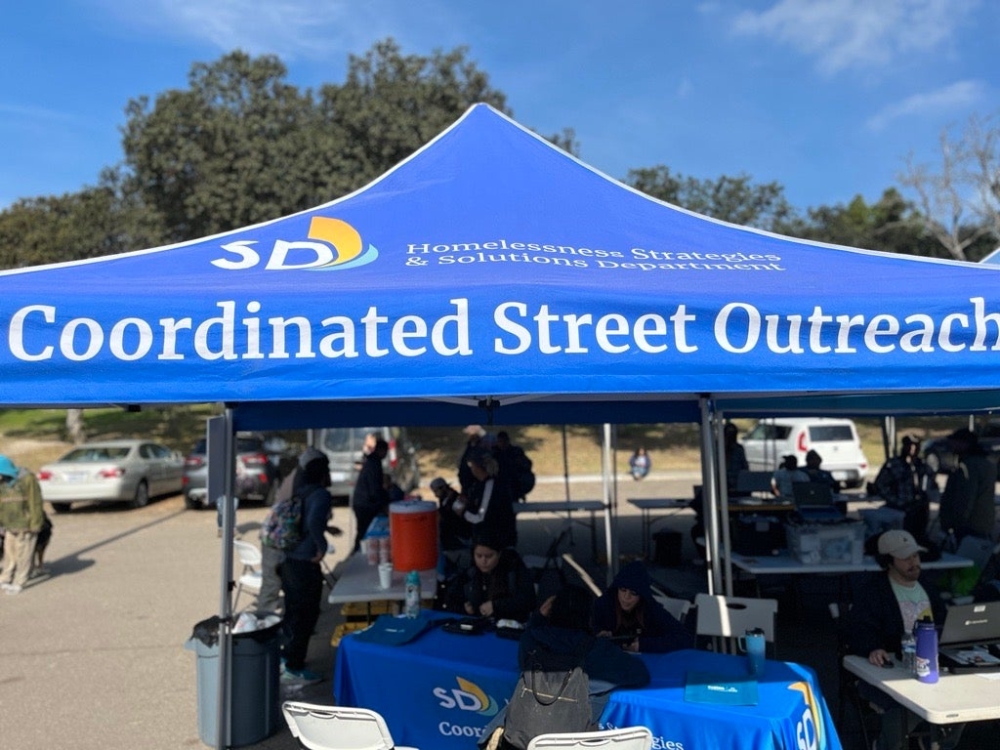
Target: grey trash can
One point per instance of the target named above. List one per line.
(254, 686)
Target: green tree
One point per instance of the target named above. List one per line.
(737, 200)
(227, 152)
(242, 146)
(93, 222)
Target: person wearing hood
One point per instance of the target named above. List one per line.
(22, 516)
(628, 611)
(301, 575)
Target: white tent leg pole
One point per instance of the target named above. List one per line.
(710, 499)
(223, 729)
(565, 461)
(721, 468)
(609, 540)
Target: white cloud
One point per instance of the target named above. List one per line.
(842, 34)
(292, 29)
(958, 96)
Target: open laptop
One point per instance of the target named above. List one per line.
(814, 501)
(970, 639)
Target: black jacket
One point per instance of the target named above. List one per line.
(874, 620)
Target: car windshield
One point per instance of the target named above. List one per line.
(831, 433)
(86, 454)
(345, 439)
(768, 431)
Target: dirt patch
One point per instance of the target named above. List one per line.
(32, 453)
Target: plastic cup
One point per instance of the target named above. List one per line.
(755, 645)
(385, 575)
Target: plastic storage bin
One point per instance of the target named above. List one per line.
(254, 685)
(842, 542)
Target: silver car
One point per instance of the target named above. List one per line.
(116, 471)
(345, 448)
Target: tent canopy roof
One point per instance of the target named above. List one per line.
(491, 270)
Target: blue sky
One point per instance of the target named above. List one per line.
(827, 97)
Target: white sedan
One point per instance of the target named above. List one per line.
(118, 471)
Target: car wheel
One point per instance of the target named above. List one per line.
(61, 507)
(191, 504)
(141, 499)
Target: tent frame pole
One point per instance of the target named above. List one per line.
(224, 715)
(710, 497)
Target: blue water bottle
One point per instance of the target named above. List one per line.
(927, 651)
(411, 604)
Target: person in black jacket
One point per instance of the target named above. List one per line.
(497, 585)
(628, 610)
(370, 497)
(886, 605)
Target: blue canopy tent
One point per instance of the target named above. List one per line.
(492, 275)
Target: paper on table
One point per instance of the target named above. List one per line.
(724, 689)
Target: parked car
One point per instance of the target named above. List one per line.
(345, 448)
(940, 459)
(116, 471)
(256, 472)
(836, 440)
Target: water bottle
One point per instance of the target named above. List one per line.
(927, 651)
(909, 650)
(411, 607)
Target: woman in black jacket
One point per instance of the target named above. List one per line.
(497, 585)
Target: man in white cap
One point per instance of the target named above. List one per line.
(886, 605)
(22, 516)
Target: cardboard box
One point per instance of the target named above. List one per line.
(841, 542)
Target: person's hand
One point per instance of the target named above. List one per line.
(632, 646)
(878, 657)
(469, 610)
(546, 607)
(604, 634)
(486, 609)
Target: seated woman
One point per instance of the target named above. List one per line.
(497, 585)
(627, 610)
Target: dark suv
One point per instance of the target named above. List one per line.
(939, 457)
(256, 473)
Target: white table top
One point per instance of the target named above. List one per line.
(953, 698)
(557, 506)
(358, 582)
(784, 563)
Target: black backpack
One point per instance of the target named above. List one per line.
(547, 700)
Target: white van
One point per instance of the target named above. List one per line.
(836, 440)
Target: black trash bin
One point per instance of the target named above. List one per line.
(255, 674)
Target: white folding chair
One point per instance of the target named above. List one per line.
(251, 576)
(625, 738)
(678, 608)
(320, 727)
(731, 616)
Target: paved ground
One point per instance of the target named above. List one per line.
(94, 657)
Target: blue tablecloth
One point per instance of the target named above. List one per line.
(441, 690)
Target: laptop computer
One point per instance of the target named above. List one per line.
(814, 501)
(970, 639)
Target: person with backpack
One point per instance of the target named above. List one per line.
(22, 517)
(301, 575)
(272, 542)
